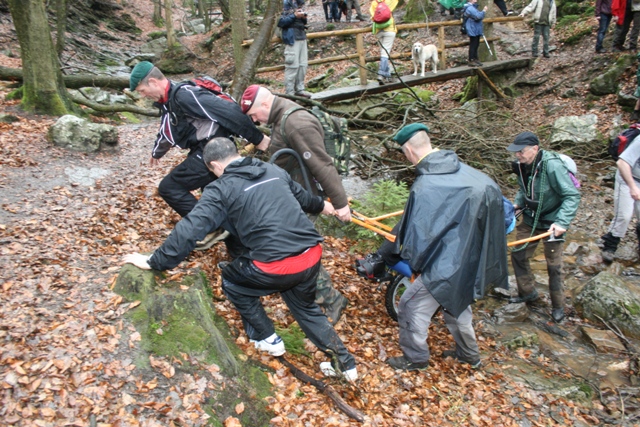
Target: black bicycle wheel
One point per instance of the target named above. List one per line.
(395, 289)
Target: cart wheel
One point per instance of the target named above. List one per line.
(395, 289)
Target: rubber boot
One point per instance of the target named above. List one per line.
(610, 245)
(557, 303)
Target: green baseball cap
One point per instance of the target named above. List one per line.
(138, 73)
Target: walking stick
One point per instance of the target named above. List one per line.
(487, 43)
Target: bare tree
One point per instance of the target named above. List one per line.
(157, 13)
(43, 88)
(239, 30)
(245, 73)
(168, 15)
(61, 25)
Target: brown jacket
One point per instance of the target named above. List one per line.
(306, 137)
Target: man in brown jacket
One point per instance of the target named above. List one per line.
(305, 136)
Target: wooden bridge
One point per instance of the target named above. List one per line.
(374, 87)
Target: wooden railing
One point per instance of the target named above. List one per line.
(360, 54)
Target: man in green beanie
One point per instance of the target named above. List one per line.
(190, 116)
(451, 237)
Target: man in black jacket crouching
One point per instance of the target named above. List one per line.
(250, 199)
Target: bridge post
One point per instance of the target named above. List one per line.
(443, 55)
(361, 58)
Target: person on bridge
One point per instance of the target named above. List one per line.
(250, 199)
(544, 17)
(452, 237)
(548, 199)
(474, 27)
(293, 22)
(354, 4)
(190, 116)
(305, 136)
(386, 34)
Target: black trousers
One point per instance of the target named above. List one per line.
(474, 43)
(502, 5)
(191, 174)
(243, 283)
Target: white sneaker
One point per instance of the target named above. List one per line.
(329, 371)
(272, 345)
(211, 239)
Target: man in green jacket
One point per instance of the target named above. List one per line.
(548, 199)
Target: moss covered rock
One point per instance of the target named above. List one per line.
(607, 83)
(178, 320)
(608, 297)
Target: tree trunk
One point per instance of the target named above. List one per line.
(75, 81)
(239, 30)
(157, 13)
(43, 90)
(168, 15)
(61, 27)
(252, 7)
(204, 13)
(224, 8)
(245, 73)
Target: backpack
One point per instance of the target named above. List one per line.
(336, 141)
(382, 13)
(572, 168)
(463, 25)
(622, 141)
(205, 82)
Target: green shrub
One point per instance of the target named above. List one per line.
(387, 196)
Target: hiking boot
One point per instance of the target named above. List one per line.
(404, 364)
(272, 345)
(510, 13)
(525, 298)
(557, 314)
(381, 80)
(330, 371)
(334, 313)
(303, 94)
(608, 256)
(546, 55)
(617, 48)
(372, 267)
(223, 264)
(452, 353)
(211, 239)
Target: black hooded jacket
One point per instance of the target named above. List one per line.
(255, 201)
(193, 115)
(452, 231)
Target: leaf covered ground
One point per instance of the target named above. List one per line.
(68, 353)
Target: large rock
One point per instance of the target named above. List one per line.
(607, 83)
(178, 320)
(571, 130)
(608, 297)
(77, 134)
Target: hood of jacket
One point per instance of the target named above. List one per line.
(438, 163)
(246, 168)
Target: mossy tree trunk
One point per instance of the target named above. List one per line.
(239, 30)
(61, 25)
(168, 14)
(483, 52)
(224, 7)
(157, 13)
(43, 89)
(244, 73)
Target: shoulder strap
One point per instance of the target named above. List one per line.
(285, 116)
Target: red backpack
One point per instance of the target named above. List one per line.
(382, 13)
(212, 85)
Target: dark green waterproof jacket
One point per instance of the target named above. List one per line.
(549, 189)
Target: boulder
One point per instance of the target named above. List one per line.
(607, 83)
(512, 313)
(608, 297)
(78, 134)
(571, 130)
(626, 99)
(155, 47)
(133, 61)
(178, 321)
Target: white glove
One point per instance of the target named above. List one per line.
(139, 260)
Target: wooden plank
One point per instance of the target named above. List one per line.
(491, 85)
(361, 59)
(367, 29)
(449, 74)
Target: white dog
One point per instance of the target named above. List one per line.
(421, 53)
